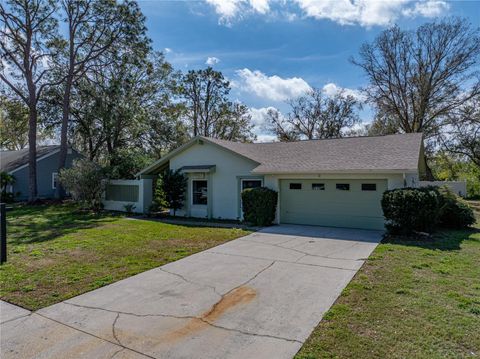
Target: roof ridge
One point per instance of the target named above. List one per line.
(314, 139)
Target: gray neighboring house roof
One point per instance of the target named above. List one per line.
(400, 152)
(10, 160)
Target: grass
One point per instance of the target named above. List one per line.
(411, 299)
(56, 252)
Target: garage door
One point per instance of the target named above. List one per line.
(336, 203)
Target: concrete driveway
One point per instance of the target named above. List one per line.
(259, 296)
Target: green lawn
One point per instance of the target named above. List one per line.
(411, 299)
(56, 251)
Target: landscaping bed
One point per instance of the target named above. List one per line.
(413, 298)
(56, 251)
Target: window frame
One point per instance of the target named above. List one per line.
(295, 183)
(369, 184)
(342, 189)
(193, 193)
(54, 181)
(248, 180)
(322, 186)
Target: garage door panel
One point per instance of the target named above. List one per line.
(332, 207)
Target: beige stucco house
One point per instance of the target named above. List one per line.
(334, 182)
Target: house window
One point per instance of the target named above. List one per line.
(343, 186)
(54, 180)
(200, 192)
(318, 186)
(295, 186)
(369, 187)
(251, 183)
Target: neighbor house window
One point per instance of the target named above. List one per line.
(318, 186)
(54, 180)
(343, 186)
(199, 190)
(295, 186)
(369, 187)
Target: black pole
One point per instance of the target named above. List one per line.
(3, 233)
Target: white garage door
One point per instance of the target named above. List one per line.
(336, 203)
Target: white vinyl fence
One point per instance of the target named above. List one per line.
(122, 194)
(458, 187)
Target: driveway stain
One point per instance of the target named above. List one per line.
(237, 297)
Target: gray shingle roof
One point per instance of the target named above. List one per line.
(9, 160)
(376, 153)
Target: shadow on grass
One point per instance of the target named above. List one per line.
(39, 223)
(444, 240)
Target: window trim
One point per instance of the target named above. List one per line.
(341, 184)
(195, 180)
(319, 184)
(369, 184)
(53, 179)
(295, 183)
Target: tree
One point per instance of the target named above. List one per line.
(127, 162)
(315, 116)
(84, 181)
(127, 106)
(417, 78)
(27, 34)
(462, 136)
(13, 124)
(95, 27)
(174, 185)
(209, 112)
(235, 124)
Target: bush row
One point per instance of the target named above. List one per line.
(424, 209)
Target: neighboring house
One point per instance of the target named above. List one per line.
(333, 182)
(16, 163)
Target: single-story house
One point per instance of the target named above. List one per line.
(332, 182)
(16, 164)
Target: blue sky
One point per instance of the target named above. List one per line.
(272, 50)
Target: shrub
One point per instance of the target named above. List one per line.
(129, 208)
(159, 201)
(83, 181)
(411, 209)
(454, 211)
(259, 205)
(6, 180)
(174, 184)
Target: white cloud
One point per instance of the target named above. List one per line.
(332, 89)
(229, 9)
(259, 120)
(345, 12)
(258, 115)
(430, 8)
(370, 12)
(272, 87)
(266, 138)
(167, 50)
(212, 61)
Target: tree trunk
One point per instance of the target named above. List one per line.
(428, 171)
(59, 192)
(32, 154)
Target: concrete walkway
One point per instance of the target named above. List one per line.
(259, 296)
